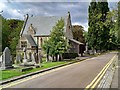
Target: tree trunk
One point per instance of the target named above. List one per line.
(81, 54)
(58, 57)
(47, 59)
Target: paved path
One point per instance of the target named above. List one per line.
(116, 77)
(77, 75)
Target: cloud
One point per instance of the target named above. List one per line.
(78, 10)
(58, 0)
(85, 25)
(10, 12)
(2, 6)
(15, 13)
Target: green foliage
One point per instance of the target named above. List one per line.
(102, 31)
(78, 33)
(118, 21)
(92, 39)
(57, 43)
(85, 34)
(70, 55)
(10, 33)
(1, 34)
(103, 28)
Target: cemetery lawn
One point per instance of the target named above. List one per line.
(7, 74)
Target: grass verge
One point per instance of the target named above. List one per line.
(7, 74)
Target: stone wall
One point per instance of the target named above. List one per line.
(107, 78)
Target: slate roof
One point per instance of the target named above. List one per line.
(43, 25)
(30, 40)
(76, 41)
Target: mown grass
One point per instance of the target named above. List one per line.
(7, 74)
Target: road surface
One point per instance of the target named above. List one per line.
(77, 75)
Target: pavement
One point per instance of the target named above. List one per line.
(77, 75)
(114, 83)
(116, 78)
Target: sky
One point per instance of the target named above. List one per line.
(16, 9)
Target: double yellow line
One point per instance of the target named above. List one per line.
(96, 80)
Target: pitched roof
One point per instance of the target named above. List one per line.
(30, 40)
(76, 41)
(43, 25)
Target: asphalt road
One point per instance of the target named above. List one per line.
(77, 75)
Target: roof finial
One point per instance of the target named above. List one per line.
(27, 15)
(68, 12)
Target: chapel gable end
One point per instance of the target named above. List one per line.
(31, 30)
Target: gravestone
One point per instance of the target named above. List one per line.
(25, 55)
(29, 57)
(33, 58)
(50, 58)
(1, 60)
(40, 58)
(18, 58)
(6, 59)
(86, 48)
(90, 52)
(36, 58)
(25, 59)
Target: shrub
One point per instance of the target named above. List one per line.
(69, 55)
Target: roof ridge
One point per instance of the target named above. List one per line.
(49, 16)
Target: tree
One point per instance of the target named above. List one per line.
(119, 24)
(98, 32)
(5, 33)
(78, 33)
(112, 24)
(57, 44)
(10, 33)
(1, 34)
(14, 36)
(92, 38)
(85, 34)
(103, 29)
